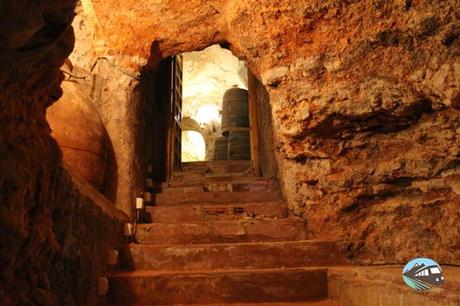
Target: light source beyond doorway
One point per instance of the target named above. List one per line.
(207, 114)
(207, 75)
(193, 146)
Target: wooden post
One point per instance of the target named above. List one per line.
(253, 123)
(170, 114)
(174, 131)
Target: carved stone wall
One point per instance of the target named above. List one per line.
(365, 104)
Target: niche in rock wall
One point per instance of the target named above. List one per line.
(188, 92)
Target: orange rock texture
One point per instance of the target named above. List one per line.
(365, 105)
(365, 102)
(52, 242)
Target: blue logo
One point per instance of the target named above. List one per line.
(422, 274)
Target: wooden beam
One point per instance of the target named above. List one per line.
(175, 133)
(253, 123)
(169, 142)
(173, 97)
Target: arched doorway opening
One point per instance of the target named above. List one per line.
(193, 146)
(190, 92)
(211, 88)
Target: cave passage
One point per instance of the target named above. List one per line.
(229, 152)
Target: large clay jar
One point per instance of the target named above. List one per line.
(77, 127)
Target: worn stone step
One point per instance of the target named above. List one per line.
(214, 163)
(369, 286)
(186, 182)
(215, 212)
(183, 189)
(221, 231)
(229, 185)
(315, 303)
(215, 179)
(179, 176)
(259, 255)
(199, 176)
(237, 171)
(216, 197)
(230, 166)
(226, 286)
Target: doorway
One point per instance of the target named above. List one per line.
(185, 97)
(212, 105)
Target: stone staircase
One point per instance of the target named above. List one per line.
(218, 235)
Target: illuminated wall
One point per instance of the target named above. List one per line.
(193, 146)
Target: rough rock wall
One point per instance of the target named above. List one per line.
(369, 131)
(112, 81)
(268, 164)
(365, 101)
(53, 238)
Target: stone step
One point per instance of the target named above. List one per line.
(230, 166)
(228, 185)
(216, 197)
(214, 162)
(183, 189)
(225, 286)
(259, 255)
(197, 176)
(221, 231)
(176, 181)
(185, 182)
(215, 212)
(316, 303)
(208, 172)
(179, 176)
(384, 285)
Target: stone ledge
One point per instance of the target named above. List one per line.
(107, 207)
(383, 285)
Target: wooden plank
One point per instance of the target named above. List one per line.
(175, 131)
(170, 143)
(178, 106)
(175, 118)
(253, 123)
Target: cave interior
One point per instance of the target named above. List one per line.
(229, 152)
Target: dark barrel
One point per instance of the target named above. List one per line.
(235, 110)
(221, 148)
(239, 145)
